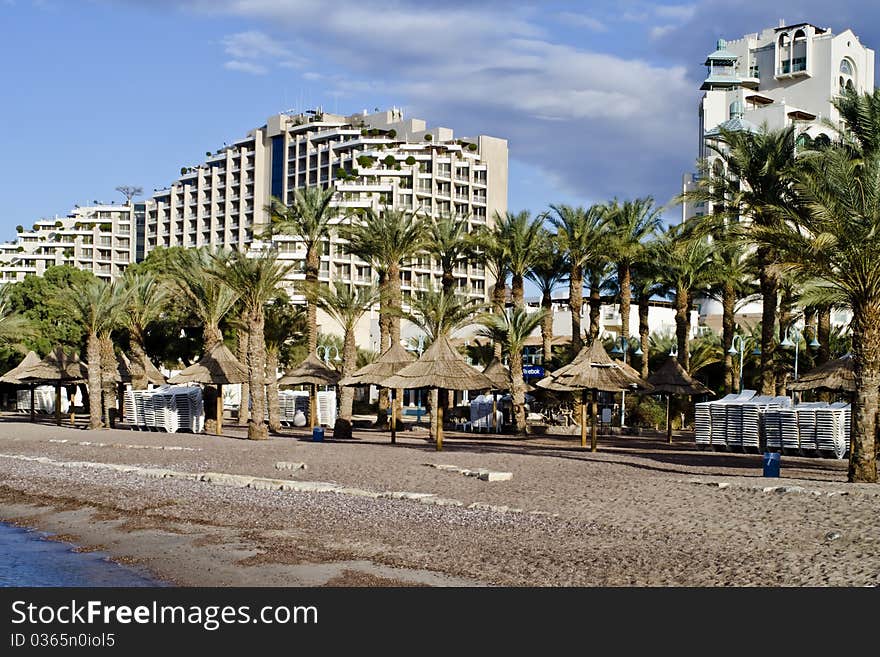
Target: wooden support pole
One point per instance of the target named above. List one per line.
(393, 416)
(584, 418)
(313, 407)
(71, 408)
(439, 427)
(668, 421)
(58, 403)
(594, 439)
(495, 411)
(120, 400)
(219, 411)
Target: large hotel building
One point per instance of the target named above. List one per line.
(371, 160)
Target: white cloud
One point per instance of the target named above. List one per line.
(253, 44)
(246, 67)
(679, 13)
(582, 20)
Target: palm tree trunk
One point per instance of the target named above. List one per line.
(595, 305)
(243, 356)
(517, 391)
(384, 343)
(785, 319)
(517, 286)
(644, 333)
(624, 277)
(257, 429)
(394, 302)
(769, 283)
(448, 281)
(866, 360)
(138, 365)
(575, 306)
(728, 306)
(823, 332)
(313, 265)
(272, 400)
(547, 327)
(109, 373)
(498, 298)
(94, 352)
(212, 336)
(349, 365)
(682, 327)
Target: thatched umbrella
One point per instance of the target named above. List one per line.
(835, 375)
(123, 376)
(315, 372)
(441, 366)
(672, 379)
(12, 375)
(593, 370)
(500, 377)
(389, 363)
(217, 367)
(58, 368)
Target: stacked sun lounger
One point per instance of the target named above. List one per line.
(809, 428)
(737, 421)
(291, 401)
(166, 408)
(44, 400)
(712, 418)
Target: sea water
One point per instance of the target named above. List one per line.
(27, 558)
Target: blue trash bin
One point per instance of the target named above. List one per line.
(318, 435)
(771, 464)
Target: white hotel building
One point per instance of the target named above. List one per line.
(782, 76)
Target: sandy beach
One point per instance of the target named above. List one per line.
(364, 512)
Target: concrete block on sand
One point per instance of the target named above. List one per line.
(785, 489)
(496, 476)
(358, 492)
(404, 495)
(440, 501)
(310, 486)
(266, 484)
(290, 465)
(155, 473)
(222, 479)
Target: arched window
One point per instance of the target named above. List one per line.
(846, 80)
(784, 48)
(799, 51)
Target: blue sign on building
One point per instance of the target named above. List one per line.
(533, 371)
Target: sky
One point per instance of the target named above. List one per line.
(596, 99)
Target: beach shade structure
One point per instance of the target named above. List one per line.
(593, 370)
(58, 368)
(672, 379)
(441, 366)
(123, 375)
(389, 363)
(835, 375)
(314, 372)
(217, 367)
(12, 376)
(500, 377)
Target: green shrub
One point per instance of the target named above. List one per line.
(410, 160)
(59, 224)
(389, 161)
(472, 148)
(392, 133)
(19, 228)
(366, 161)
(106, 227)
(428, 136)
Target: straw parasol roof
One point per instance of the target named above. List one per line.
(672, 379)
(219, 367)
(836, 375)
(498, 374)
(593, 369)
(123, 370)
(57, 366)
(28, 361)
(441, 366)
(392, 360)
(311, 370)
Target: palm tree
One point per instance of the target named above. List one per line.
(308, 220)
(860, 114)
(283, 323)
(13, 327)
(687, 260)
(547, 272)
(493, 254)
(649, 280)
(511, 330)
(347, 304)
(96, 306)
(209, 298)
(627, 226)
(750, 181)
(833, 236)
(144, 299)
(580, 236)
(387, 239)
(449, 241)
(521, 237)
(256, 280)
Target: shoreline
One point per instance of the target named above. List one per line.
(221, 511)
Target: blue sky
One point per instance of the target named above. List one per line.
(597, 99)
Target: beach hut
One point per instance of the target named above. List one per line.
(314, 372)
(592, 370)
(57, 368)
(389, 363)
(672, 379)
(441, 366)
(217, 367)
(835, 376)
(12, 375)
